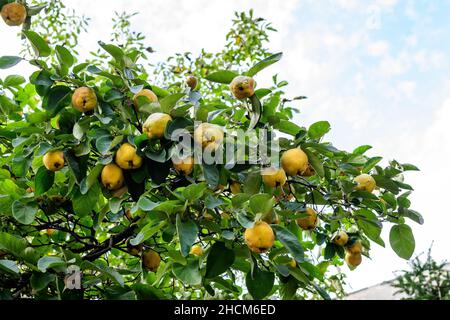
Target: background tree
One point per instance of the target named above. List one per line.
(83, 185)
(427, 280)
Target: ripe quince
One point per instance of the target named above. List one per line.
(208, 135)
(155, 125)
(260, 238)
(127, 158)
(273, 177)
(84, 99)
(149, 94)
(54, 160)
(294, 162)
(353, 259)
(355, 247)
(365, 182)
(309, 222)
(112, 177)
(196, 250)
(183, 165)
(14, 14)
(242, 87)
(341, 238)
(192, 82)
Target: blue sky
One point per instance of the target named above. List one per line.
(377, 70)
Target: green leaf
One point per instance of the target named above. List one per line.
(103, 144)
(315, 163)
(168, 102)
(40, 281)
(187, 233)
(319, 129)
(145, 204)
(256, 112)
(409, 167)
(412, 214)
(107, 271)
(12, 244)
(261, 93)
(13, 80)
(39, 45)
(9, 61)
(260, 283)
(361, 149)
(402, 240)
(43, 181)
(211, 174)
(9, 266)
(321, 291)
(24, 213)
(222, 76)
(369, 223)
(386, 183)
(56, 99)
(91, 179)
(290, 242)
(64, 56)
(194, 191)
(261, 203)
(372, 162)
(113, 50)
(48, 262)
(252, 183)
(84, 204)
(288, 127)
(77, 165)
(147, 231)
(220, 258)
(264, 64)
(189, 274)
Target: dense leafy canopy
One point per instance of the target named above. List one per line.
(52, 221)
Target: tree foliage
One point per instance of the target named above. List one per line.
(52, 221)
(427, 280)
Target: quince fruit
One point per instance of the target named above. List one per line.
(127, 158)
(355, 247)
(112, 177)
(242, 87)
(260, 238)
(54, 160)
(84, 99)
(183, 166)
(310, 221)
(341, 238)
(273, 177)
(196, 250)
(353, 259)
(365, 182)
(155, 125)
(151, 260)
(208, 135)
(192, 82)
(235, 187)
(147, 93)
(14, 14)
(294, 162)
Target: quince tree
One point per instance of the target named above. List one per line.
(90, 177)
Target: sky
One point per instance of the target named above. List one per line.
(378, 71)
